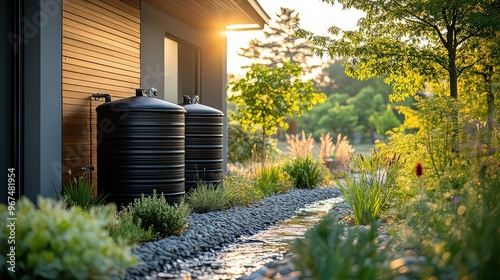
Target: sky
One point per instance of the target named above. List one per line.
(315, 16)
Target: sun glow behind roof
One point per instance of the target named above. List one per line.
(242, 27)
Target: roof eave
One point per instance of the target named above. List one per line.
(255, 12)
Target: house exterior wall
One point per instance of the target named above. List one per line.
(155, 26)
(69, 50)
(42, 97)
(7, 126)
(31, 107)
(101, 54)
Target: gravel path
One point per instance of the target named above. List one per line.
(172, 257)
(405, 263)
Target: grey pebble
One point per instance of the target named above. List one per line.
(209, 232)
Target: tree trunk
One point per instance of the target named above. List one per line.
(452, 55)
(453, 73)
(490, 101)
(451, 46)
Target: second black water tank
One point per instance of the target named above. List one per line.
(204, 144)
(140, 148)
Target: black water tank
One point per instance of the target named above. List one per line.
(140, 148)
(204, 144)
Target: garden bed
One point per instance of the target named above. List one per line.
(210, 231)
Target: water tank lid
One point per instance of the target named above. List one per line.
(140, 103)
(200, 109)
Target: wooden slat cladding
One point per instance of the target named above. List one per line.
(101, 54)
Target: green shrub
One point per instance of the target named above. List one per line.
(81, 193)
(330, 251)
(207, 198)
(454, 217)
(270, 179)
(475, 245)
(243, 146)
(124, 228)
(409, 147)
(156, 212)
(368, 188)
(52, 242)
(459, 230)
(364, 198)
(305, 172)
(431, 135)
(384, 121)
(242, 189)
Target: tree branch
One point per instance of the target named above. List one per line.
(453, 27)
(423, 21)
(473, 34)
(461, 70)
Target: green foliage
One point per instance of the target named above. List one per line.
(81, 193)
(350, 113)
(475, 245)
(364, 199)
(306, 172)
(366, 104)
(408, 146)
(371, 189)
(333, 79)
(481, 82)
(384, 121)
(334, 115)
(434, 135)
(459, 228)
(207, 198)
(244, 147)
(411, 43)
(156, 212)
(436, 124)
(125, 229)
(265, 97)
(270, 179)
(241, 187)
(438, 127)
(52, 242)
(331, 251)
(451, 212)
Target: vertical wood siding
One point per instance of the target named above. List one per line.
(101, 54)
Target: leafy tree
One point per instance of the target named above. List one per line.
(412, 41)
(280, 44)
(346, 114)
(334, 115)
(266, 96)
(245, 146)
(484, 78)
(332, 78)
(384, 121)
(366, 103)
(308, 121)
(341, 118)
